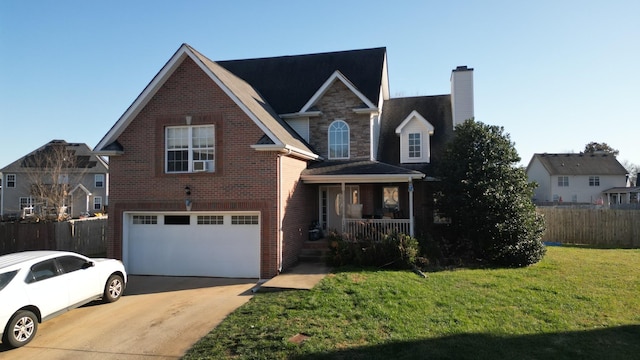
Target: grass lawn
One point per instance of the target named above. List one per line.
(577, 303)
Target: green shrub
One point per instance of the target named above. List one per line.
(398, 251)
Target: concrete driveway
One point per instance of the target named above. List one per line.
(157, 318)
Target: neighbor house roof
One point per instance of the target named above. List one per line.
(81, 158)
(288, 82)
(434, 109)
(580, 164)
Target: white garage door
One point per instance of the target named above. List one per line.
(192, 244)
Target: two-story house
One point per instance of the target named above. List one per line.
(68, 174)
(220, 168)
(576, 178)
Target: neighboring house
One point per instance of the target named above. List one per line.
(585, 178)
(221, 168)
(81, 176)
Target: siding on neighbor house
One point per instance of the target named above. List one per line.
(138, 180)
(578, 189)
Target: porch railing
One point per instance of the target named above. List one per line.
(376, 229)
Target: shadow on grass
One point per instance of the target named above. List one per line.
(608, 343)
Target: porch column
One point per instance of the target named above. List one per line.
(344, 208)
(411, 231)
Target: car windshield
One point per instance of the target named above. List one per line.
(5, 278)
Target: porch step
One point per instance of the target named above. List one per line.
(314, 251)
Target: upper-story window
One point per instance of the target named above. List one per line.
(99, 180)
(11, 180)
(594, 180)
(338, 140)
(415, 146)
(190, 149)
(563, 181)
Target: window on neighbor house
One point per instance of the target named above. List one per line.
(338, 140)
(99, 180)
(97, 203)
(190, 149)
(415, 145)
(63, 179)
(26, 202)
(11, 180)
(563, 181)
(594, 180)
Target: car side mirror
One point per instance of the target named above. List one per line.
(88, 264)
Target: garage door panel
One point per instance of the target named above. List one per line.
(221, 250)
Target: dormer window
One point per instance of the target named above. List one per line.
(415, 148)
(414, 134)
(339, 140)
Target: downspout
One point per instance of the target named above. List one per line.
(1, 195)
(343, 201)
(279, 213)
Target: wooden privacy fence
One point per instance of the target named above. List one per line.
(86, 236)
(601, 227)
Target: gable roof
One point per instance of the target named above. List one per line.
(336, 76)
(288, 82)
(434, 109)
(580, 164)
(243, 94)
(419, 118)
(83, 158)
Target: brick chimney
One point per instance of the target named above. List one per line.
(461, 94)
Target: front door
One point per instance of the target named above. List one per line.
(333, 208)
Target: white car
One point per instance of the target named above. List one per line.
(38, 285)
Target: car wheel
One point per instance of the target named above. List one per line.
(113, 288)
(21, 329)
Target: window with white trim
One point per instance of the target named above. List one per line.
(99, 180)
(97, 203)
(11, 180)
(563, 181)
(594, 180)
(26, 202)
(415, 145)
(339, 140)
(190, 149)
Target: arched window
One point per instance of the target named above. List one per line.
(338, 140)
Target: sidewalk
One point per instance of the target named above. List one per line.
(303, 276)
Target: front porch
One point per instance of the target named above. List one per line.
(365, 199)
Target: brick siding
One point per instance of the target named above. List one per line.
(244, 179)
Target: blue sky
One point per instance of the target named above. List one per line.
(555, 74)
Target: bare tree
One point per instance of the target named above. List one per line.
(52, 172)
(632, 169)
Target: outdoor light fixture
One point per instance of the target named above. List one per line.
(187, 190)
(188, 118)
